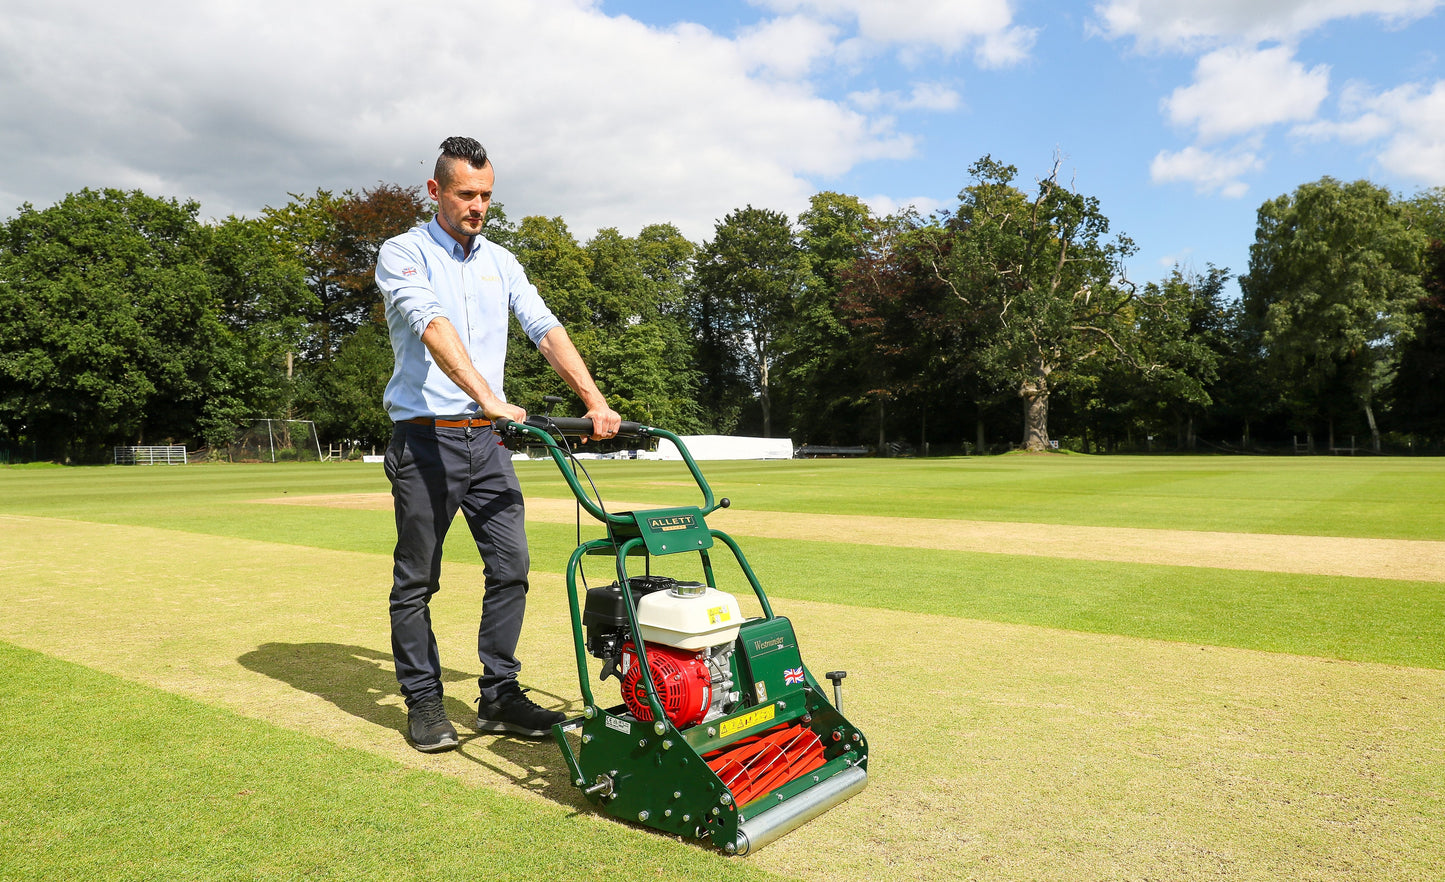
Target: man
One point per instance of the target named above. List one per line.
(448, 292)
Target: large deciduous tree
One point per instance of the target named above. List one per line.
(1041, 278)
(335, 239)
(124, 320)
(1419, 386)
(911, 339)
(1332, 285)
(747, 281)
(822, 365)
(1181, 335)
(621, 299)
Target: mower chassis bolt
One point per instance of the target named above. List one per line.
(602, 787)
(716, 811)
(677, 794)
(587, 739)
(642, 815)
(659, 727)
(589, 711)
(667, 813)
(712, 731)
(667, 744)
(726, 799)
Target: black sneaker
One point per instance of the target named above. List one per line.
(428, 727)
(513, 712)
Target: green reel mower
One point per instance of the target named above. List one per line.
(722, 732)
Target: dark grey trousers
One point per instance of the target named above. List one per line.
(433, 473)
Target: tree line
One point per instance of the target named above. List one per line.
(1008, 321)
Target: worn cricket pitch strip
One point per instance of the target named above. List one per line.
(1403, 559)
(999, 751)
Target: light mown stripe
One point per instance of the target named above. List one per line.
(1404, 559)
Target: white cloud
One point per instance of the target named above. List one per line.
(1416, 149)
(1237, 90)
(1208, 171)
(1240, 89)
(602, 120)
(1409, 120)
(788, 47)
(1194, 24)
(925, 96)
(943, 25)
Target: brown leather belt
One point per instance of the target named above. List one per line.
(449, 424)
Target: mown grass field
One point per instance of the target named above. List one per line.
(197, 685)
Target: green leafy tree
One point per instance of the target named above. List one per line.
(335, 238)
(1332, 285)
(346, 396)
(748, 279)
(821, 364)
(910, 335)
(558, 265)
(621, 300)
(1182, 328)
(113, 325)
(642, 348)
(264, 304)
(1043, 281)
(1419, 385)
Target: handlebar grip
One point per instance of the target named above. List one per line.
(582, 427)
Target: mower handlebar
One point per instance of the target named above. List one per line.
(581, 427)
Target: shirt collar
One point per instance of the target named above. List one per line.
(450, 245)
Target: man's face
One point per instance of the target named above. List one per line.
(462, 203)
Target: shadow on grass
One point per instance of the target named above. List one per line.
(361, 682)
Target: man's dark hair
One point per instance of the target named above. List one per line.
(456, 147)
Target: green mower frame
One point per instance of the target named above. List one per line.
(657, 774)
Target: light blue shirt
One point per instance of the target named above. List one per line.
(423, 274)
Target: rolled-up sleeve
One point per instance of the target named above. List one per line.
(405, 282)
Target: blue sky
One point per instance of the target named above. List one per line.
(1181, 116)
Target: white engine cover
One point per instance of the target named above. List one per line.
(685, 621)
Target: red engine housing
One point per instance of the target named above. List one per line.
(684, 685)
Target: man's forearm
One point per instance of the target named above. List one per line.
(446, 348)
(562, 355)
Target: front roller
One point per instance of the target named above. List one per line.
(763, 828)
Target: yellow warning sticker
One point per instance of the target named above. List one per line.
(746, 721)
(716, 614)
